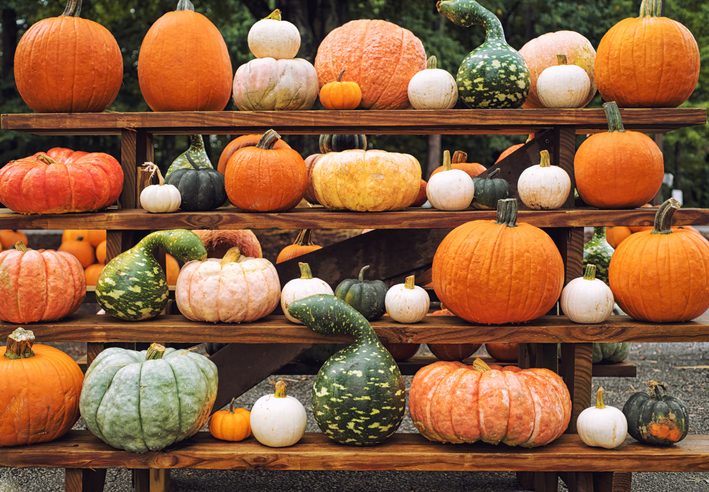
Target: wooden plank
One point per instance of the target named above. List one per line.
(79, 449)
(577, 370)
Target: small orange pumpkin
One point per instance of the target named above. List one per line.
(502, 351)
(341, 94)
(10, 237)
(82, 250)
(233, 424)
(172, 269)
(92, 273)
(453, 351)
(241, 142)
(472, 169)
(616, 235)
(74, 234)
(302, 246)
(96, 237)
(421, 197)
(101, 252)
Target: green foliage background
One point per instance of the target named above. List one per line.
(686, 151)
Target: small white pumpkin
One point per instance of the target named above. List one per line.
(433, 88)
(544, 187)
(602, 426)
(407, 302)
(563, 85)
(587, 299)
(159, 198)
(273, 37)
(300, 288)
(278, 420)
(450, 189)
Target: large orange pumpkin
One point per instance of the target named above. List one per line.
(380, 56)
(67, 64)
(239, 143)
(184, 63)
(302, 245)
(39, 286)
(647, 61)
(39, 391)
(458, 403)
(495, 272)
(618, 168)
(662, 275)
(10, 237)
(472, 169)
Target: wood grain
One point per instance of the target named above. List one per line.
(86, 480)
(129, 163)
(577, 369)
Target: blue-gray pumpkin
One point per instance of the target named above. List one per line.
(201, 189)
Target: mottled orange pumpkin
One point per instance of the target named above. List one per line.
(239, 143)
(302, 245)
(232, 424)
(459, 159)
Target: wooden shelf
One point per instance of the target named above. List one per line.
(276, 329)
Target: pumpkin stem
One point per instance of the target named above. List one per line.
(544, 159)
(20, 246)
(654, 388)
(155, 351)
(268, 140)
(615, 122)
(231, 405)
(305, 272)
(231, 256)
(651, 8)
(45, 159)
(153, 169)
(562, 60)
(432, 63)
(360, 277)
(507, 212)
(460, 157)
(447, 166)
(304, 238)
(590, 272)
(280, 389)
(340, 75)
(664, 215)
(275, 15)
(493, 173)
(599, 398)
(410, 282)
(73, 8)
(185, 5)
(19, 344)
(480, 365)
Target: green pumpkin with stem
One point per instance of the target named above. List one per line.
(366, 296)
(201, 189)
(132, 286)
(335, 142)
(494, 75)
(489, 189)
(656, 417)
(196, 153)
(359, 396)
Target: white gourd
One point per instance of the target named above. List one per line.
(159, 198)
(300, 288)
(587, 299)
(273, 37)
(602, 426)
(407, 302)
(450, 189)
(433, 88)
(544, 187)
(563, 85)
(278, 420)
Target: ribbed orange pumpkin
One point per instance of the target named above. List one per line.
(302, 245)
(67, 64)
(265, 179)
(647, 61)
(495, 272)
(232, 424)
(472, 169)
(380, 56)
(662, 275)
(9, 237)
(457, 403)
(184, 63)
(239, 143)
(39, 391)
(39, 286)
(618, 168)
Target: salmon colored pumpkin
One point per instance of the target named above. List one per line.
(232, 424)
(39, 391)
(379, 56)
(616, 235)
(218, 242)
(472, 169)
(101, 252)
(60, 181)
(618, 168)
(458, 403)
(241, 142)
(80, 249)
(92, 273)
(662, 275)
(39, 285)
(647, 61)
(9, 237)
(302, 245)
(67, 64)
(503, 352)
(184, 64)
(498, 271)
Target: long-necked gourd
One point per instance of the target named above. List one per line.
(494, 75)
(133, 286)
(194, 157)
(359, 396)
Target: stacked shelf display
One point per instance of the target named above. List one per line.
(273, 342)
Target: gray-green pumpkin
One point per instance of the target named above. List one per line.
(610, 353)
(490, 189)
(494, 75)
(201, 189)
(146, 401)
(133, 286)
(366, 296)
(195, 152)
(656, 417)
(359, 397)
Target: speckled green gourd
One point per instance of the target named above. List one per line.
(146, 401)
(196, 152)
(359, 397)
(133, 286)
(610, 353)
(366, 296)
(494, 75)
(598, 251)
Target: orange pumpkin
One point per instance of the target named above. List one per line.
(309, 194)
(512, 148)
(421, 197)
(264, 178)
(101, 252)
(380, 56)
(9, 237)
(92, 273)
(616, 235)
(241, 142)
(67, 64)
(662, 275)
(495, 272)
(96, 237)
(647, 61)
(93, 237)
(503, 352)
(472, 169)
(402, 351)
(618, 168)
(172, 269)
(457, 403)
(453, 351)
(81, 249)
(340, 94)
(39, 285)
(74, 235)
(232, 425)
(184, 63)
(39, 391)
(217, 243)
(302, 246)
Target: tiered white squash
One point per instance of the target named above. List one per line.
(544, 187)
(450, 189)
(273, 37)
(300, 288)
(407, 302)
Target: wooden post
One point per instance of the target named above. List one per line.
(84, 480)
(151, 480)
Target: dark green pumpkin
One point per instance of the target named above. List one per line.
(610, 353)
(359, 397)
(656, 417)
(339, 142)
(200, 188)
(366, 296)
(490, 189)
(195, 152)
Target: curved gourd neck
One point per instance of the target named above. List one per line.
(328, 315)
(182, 244)
(651, 8)
(664, 215)
(467, 13)
(73, 8)
(196, 144)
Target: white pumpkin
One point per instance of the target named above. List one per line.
(587, 299)
(273, 37)
(602, 426)
(278, 420)
(450, 189)
(563, 86)
(267, 84)
(407, 302)
(300, 288)
(544, 187)
(433, 88)
(159, 198)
